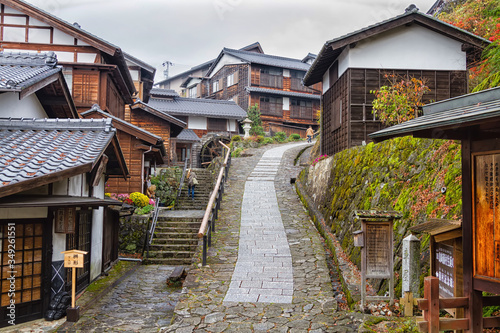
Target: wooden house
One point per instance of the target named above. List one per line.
(186, 83)
(473, 119)
(143, 152)
(413, 45)
(271, 82)
(201, 116)
(96, 71)
(51, 185)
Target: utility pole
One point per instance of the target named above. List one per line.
(167, 65)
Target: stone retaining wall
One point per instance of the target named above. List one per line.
(132, 234)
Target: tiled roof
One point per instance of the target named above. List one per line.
(96, 108)
(188, 135)
(21, 70)
(283, 93)
(199, 107)
(164, 92)
(34, 148)
(266, 59)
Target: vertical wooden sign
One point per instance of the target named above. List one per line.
(486, 216)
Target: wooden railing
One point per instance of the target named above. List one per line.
(151, 231)
(213, 206)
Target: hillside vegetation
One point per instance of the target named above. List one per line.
(404, 174)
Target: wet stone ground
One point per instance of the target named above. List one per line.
(314, 307)
(140, 303)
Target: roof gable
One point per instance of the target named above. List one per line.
(112, 53)
(333, 48)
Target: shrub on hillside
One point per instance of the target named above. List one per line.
(294, 137)
(280, 137)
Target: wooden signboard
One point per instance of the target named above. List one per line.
(378, 250)
(486, 210)
(73, 259)
(65, 220)
(445, 269)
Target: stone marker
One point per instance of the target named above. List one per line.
(410, 273)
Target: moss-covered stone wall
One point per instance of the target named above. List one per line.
(420, 178)
(132, 234)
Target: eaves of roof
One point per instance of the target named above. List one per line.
(199, 107)
(333, 48)
(283, 93)
(154, 111)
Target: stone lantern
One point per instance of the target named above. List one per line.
(246, 127)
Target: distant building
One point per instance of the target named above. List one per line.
(413, 45)
(272, 83)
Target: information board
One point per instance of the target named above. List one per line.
(445, 265)
(378, 250)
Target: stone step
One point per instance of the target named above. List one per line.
(170, 254)
(168, 248)
(173, 227)
(173, 220)
(168, 261)
(174, 234)
(165, 241)
(166, 222)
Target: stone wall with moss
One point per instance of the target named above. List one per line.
(420, 178)
(132, 234)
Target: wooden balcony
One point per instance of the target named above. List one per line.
(296, 85)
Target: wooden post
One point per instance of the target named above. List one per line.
(431, 295)
(73, 287)
(407, 303)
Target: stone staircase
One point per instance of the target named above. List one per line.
(201, 194)
(176, 235)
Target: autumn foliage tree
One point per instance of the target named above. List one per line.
(400, 100)
(481, 17)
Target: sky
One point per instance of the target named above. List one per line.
(190, 32)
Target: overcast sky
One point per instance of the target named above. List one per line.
(190, 32)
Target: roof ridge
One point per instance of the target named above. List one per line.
(28, 58)
(262, 55)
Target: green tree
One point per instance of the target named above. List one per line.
(254, 115)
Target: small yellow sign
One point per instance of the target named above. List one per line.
(74, 258)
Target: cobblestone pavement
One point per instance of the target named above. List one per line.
(141, 303)
(313, 307)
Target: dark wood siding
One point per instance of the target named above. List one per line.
(85, 88)
(352, 91)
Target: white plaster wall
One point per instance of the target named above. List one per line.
(86, 57)
(343, 61)
(62, 38)
(65, 56)
(97, 233)
(225, 60)
(197, 123)
(12, 34)
(39, 36)
(286, 103)
(75, 185)
(134, 74)
(14, 20)
(27, 107)
(326, 81)
(34, 21)
(412, 47)
(286, 72)
(232, 125)
(9, 10)
(58, 245)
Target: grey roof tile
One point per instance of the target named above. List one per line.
(188, 135)
(269, 60)
(21, 70)
(163, 92)
(199, 107)
(45, 146)
(283, 93)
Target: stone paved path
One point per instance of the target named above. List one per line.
(263, 271)
(141, 303)
(313, 307)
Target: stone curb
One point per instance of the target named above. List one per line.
(350, 285)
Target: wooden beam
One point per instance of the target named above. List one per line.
(489, 322)
(39, 85)
(43, 180)
(491, 300)
(454, 324)
(48, 47)
(445, 303)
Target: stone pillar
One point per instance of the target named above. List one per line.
(411, 266)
